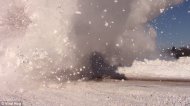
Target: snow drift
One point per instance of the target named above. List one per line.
(53, 40)
(176, 70)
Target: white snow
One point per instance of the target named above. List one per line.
(107, 92)
(78, 12)
(159, 70)
(162, 10)
(38, 40)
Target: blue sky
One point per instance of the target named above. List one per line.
(173, 26)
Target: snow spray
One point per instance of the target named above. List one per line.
(56, 40)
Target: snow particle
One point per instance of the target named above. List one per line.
(117, 45)
(162, 10)
(115, 1)
(105, 10)
(106, 24)
(90, 22)
(78, 12)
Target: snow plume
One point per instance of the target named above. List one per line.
(55, 39)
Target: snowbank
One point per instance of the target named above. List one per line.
(158, 70)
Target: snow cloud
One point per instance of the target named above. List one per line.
(46, 38)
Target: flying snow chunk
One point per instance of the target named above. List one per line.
(89, 22)
(78, 12)
(105, 10)
(106, 24)
(115, 1)
(117, 45)
(162, 10)
(123, 10)
(188, 11)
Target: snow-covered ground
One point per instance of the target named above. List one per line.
(109, 92)
(106, 93)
